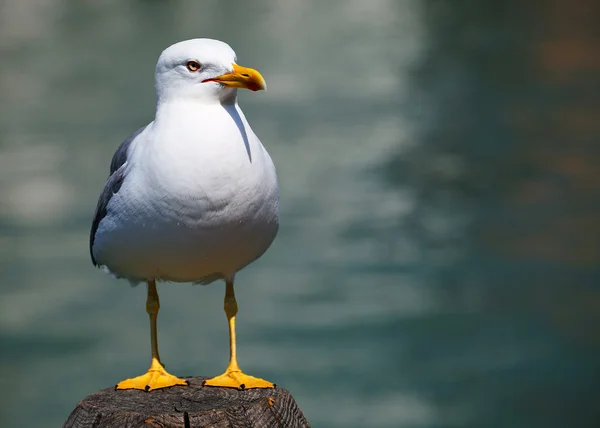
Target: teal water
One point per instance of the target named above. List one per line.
(438, 262)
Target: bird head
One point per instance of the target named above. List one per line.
(204, 70)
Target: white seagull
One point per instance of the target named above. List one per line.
(192, 196)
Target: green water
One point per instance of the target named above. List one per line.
(438, 262)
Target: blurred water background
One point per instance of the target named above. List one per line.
(438, 262)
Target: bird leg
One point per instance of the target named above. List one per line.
(156, 377)
(233, 376)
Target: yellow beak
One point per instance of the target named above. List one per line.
(242, 77)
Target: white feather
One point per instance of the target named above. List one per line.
(199, 200)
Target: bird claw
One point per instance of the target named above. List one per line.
(239, 380)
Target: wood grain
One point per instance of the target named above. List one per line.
(192, 406)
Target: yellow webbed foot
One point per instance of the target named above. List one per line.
(239, 380)
(156, 377)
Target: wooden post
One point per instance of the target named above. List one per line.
(191, 406)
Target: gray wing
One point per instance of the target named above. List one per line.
(120, 156)
(112, 186)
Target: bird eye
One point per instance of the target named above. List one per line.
(193, 66)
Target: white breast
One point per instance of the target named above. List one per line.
(199, 200)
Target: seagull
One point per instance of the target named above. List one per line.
(192, 196)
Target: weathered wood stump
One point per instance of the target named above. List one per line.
(191, 406)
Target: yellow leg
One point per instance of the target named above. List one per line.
(233, 376)
(156, 377)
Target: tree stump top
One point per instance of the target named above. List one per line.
(188, 406)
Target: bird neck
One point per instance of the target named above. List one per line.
(190, 112)
(197, 96)
(180, 108)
